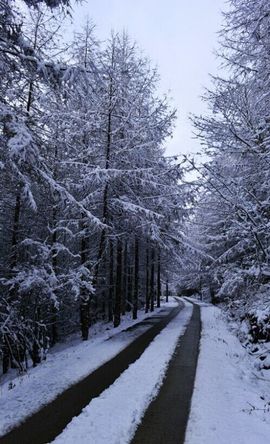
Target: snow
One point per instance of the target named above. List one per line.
(114, 416)
(64, 366)
(230, 404)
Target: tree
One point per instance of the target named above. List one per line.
(232, 214)
(86, 187)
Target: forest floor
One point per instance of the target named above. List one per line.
(230, 402)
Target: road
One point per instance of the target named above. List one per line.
(166, 418)
(49, 422)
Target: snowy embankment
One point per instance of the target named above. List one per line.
(26, 394)
(114, 416)
(230, 404)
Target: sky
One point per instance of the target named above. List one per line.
(179, 37)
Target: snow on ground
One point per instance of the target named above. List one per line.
(114, 416)
(63, 368)
(229, 404)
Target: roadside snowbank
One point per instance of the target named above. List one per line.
(114, 416)
(63, 368)
(229, 404)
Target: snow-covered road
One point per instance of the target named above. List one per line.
(114, 416)
(64, 368)
(230, 403)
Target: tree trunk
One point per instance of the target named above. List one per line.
(106, 189)
(158, 280)
(129, 285)
(111, 283)
(136, 278)
(147, 298)
(84, 315)
(54, 331)
(124, 286)
(152, 280)
(167, 290)
(118, 286)
(84, 297)
(36, 356)
(17, 210)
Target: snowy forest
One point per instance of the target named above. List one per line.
(230, 222)
(90, 206)
(95, 219)
(134, 283)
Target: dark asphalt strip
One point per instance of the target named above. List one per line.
(43, 427)
(166, 418)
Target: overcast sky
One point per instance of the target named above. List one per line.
(179, 36)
